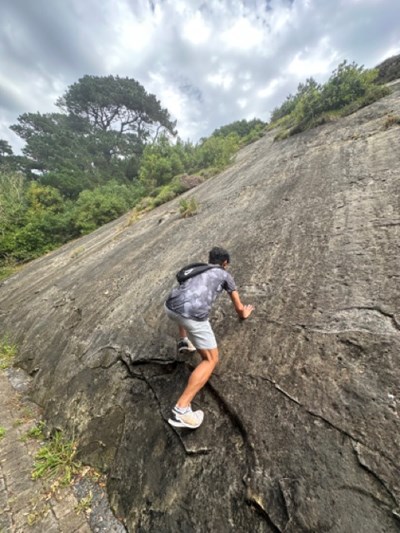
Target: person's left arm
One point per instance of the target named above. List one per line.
(243, 311)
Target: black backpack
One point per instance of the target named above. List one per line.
(194, 269)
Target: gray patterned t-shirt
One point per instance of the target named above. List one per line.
(194, 297)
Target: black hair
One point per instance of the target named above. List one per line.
(218, 255)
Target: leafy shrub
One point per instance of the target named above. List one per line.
(145, 204)
(188, 207)
(165, 195)
(101, 205)
(253, 136)
(346, 84)
(244, 129)
(208, 172)
(217, 151)
(162, 161)
(349, 88)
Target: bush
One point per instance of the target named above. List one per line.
(35, 219)
(188, 207)
(217, 151)
(244, 129)
(165, 195)
(349, 88)
(163, 160)
(101, 205)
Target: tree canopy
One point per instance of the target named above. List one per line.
(100, 132)
(119, 104)
(5, 148)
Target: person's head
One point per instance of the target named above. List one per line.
(218, 256)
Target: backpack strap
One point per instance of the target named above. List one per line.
(194, 269)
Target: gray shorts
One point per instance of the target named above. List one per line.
(199, 332)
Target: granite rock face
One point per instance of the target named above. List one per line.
(302, 428)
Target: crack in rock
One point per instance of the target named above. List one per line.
(318, 415)
(373, 461)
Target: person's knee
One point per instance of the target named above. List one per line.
(211, 355)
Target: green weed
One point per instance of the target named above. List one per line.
(8, 351)
(85, 503)
(2, 432)
(36, 432)
(38, 514)
(57, 458)
(188, 207)
(7, 270)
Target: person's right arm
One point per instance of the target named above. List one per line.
(243, 311)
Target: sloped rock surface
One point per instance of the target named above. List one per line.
(302, 416)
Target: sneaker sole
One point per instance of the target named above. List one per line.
(179, 424)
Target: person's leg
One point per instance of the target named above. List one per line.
(184, 344)
(199, 377)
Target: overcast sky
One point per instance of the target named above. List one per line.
(208, 62)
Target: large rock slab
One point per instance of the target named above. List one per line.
(302, 415)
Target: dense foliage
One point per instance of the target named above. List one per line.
(108, 149)
(111, 148)
(99, 134)
(247, 130)
(348, 88)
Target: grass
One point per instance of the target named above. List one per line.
(77, 251)
(7, 270)
(2, 432)
(57, 459)
(35, 433)
(85, 503)
(8, 351)
(188, 207)
(391, 120)
(37, 514)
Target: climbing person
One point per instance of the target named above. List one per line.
(189, 306)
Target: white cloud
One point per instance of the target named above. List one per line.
(312, 62)
(270, 89)
(196, 30)
(221, 79)
(209, 63)
(169, 94)
(243, 35)
(392, 51)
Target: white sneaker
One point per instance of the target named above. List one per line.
(184, 345)
(189, 419)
